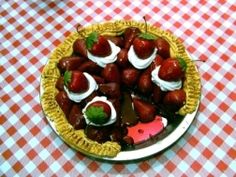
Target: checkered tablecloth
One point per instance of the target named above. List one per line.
(31, 29)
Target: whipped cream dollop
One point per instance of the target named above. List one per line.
(103, 61)
(165, 85)
(78, 97)
(138, 62)
(113, 116)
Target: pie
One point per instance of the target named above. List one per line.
(115, 85)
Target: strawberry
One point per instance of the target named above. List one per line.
(64, 102)
(60, 83)
(76, 81)
(98, 45)
(144, 44)
(145, 84)
(175, 99)
(157, 94)
(90, 67)
(172, 69)
(129, 76)
(111, 73)
(122, 58)
(76, 118)
(111, 89)
(163, 47)
(98, 112)
(79, 47)
(129, 35)
(70, 63)
(146, 111)
(99, 134)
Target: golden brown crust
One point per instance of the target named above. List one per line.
(77, 138)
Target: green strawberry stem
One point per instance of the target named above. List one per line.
(146, 35)
(96, 115)
(91, 39)
(182, 63)
(67, 77)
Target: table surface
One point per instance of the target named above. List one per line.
(30, 30)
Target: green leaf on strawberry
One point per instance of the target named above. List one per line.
(147, 36)
(182, 64)
(67, 77)
(91, 39)
(96, 115)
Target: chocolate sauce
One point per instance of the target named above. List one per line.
(128, 114)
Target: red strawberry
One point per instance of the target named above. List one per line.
(76, 81)
(172, 69)
(98, 45)
(60, 83)
(70, 63)
(122, 58)
(175, 99)
(129, 76)
(163, 47)
(111, 73)
(79, 47)
(146, 111)
(129, 35)
(64, 102)
(99, 134)
(111, 89)
(76, 118)
(98, 112)
(157, 94)
(144, 44)
(145, 84)
(90, 67)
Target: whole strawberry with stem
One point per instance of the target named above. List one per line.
(144, 43)
(98, 45)
(172, 69)
(76, 81)
(98, 112)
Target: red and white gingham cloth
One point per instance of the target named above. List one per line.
(30, 30)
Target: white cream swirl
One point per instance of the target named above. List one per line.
(113, 116)
(138, 62)
(165, 85)
(78, 97)
(103, 61)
